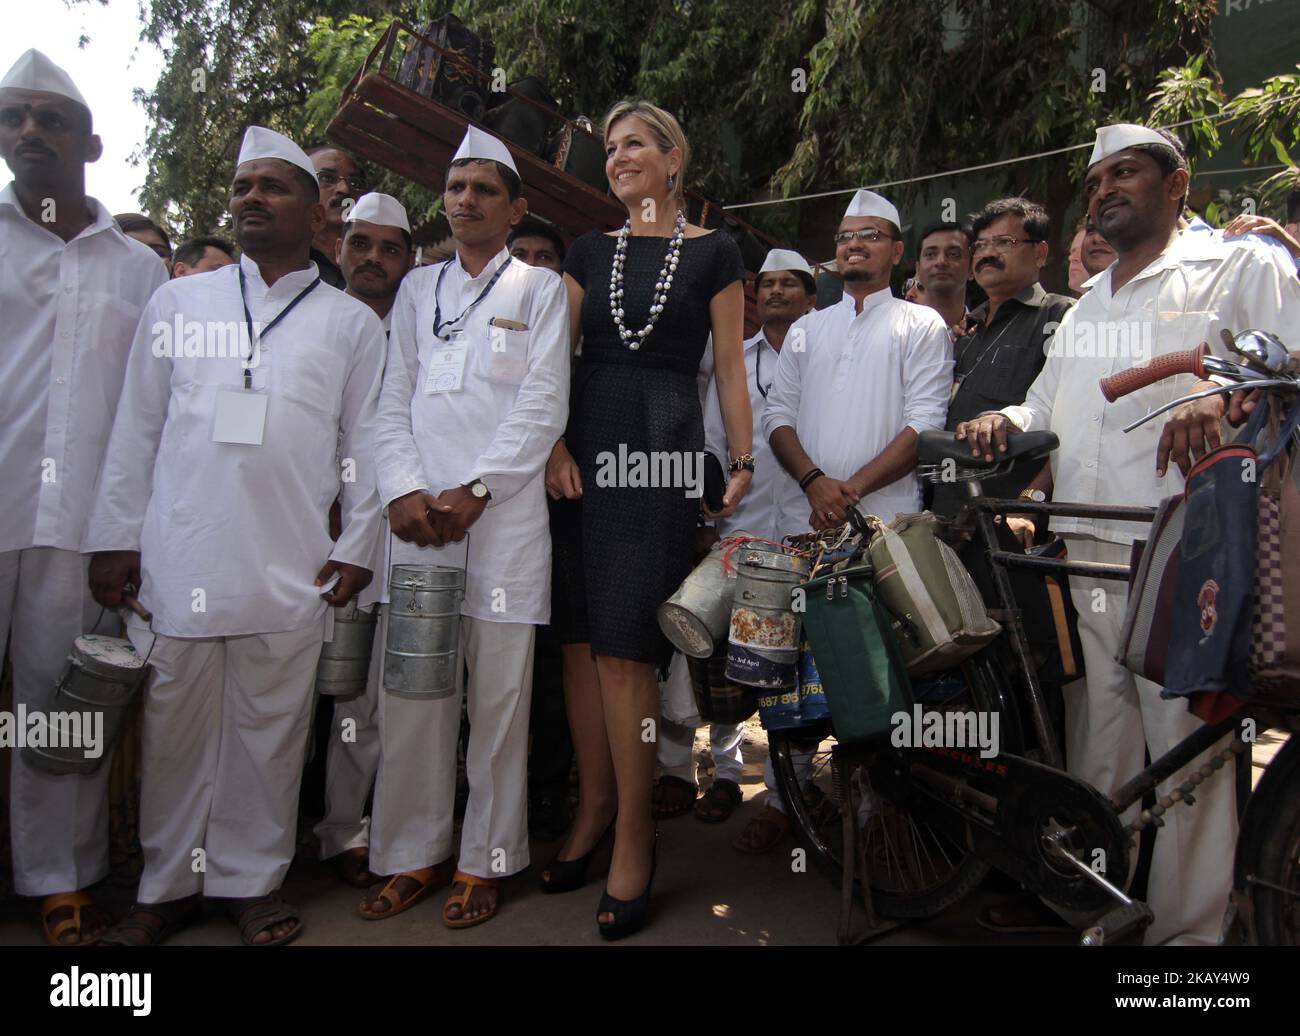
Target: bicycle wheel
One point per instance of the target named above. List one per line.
(1268, 850)
(915, 870)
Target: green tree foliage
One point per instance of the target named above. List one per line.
(776, 97)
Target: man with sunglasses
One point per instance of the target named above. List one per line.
(342, 181)
(998, 361)
(857, 382)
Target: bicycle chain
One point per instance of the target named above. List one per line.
(1183, 793)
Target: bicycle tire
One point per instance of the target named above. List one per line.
(988, 690)
(1268, 848)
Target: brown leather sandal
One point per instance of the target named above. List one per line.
(763, 833)
(717, 804)
(672, 797)
(76, 902)
(461, 899)
(429, 879)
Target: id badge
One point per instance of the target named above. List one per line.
(240, 417)
(447, 366)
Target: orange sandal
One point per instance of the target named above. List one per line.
(429, 878)
(77, 901)
(461, 899)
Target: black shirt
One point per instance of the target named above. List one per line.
(331, 274)
(995, 365)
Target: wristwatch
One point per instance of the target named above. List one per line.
(479, 490)
(1036, 495)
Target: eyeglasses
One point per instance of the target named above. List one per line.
(1000, 244)
(161, 251)
(870, 235)
(328, 178)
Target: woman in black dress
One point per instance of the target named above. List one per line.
(643, 301)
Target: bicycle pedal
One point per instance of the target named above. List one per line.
(1126, 920)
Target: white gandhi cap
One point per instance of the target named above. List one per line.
(381, 209)
(869, 203)
(784, 259)
(482, 145)
(34, 71)
(260, 142)
(1111, 139)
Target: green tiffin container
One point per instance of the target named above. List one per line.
(861, 666)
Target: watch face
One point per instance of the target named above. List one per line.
(479, 490)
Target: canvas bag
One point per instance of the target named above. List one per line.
(858, 658)
(1275, 659)
(922, 582)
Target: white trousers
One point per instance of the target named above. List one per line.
(679, 718)
(415, 792)
(1111, 716)
(351, 763)
(225, 733)
(676, 751)
(58, 822)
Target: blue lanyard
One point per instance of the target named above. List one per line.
(248, 320)
(438, 322)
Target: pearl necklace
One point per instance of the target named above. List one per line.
(633, 339)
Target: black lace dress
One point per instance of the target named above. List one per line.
(622, 550)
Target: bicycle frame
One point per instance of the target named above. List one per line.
(983, 509)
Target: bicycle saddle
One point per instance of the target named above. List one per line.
(936, 447)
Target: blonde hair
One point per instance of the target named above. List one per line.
(666, 129)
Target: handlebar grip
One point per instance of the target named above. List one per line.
(1187, 362)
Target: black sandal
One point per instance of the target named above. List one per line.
(717, 804)
(257, 915)
(668, 789)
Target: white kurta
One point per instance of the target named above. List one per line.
(232, 537)
(772, 489)
(500, 427)
(1197, 287)
(69, 309)
(1112, 717)
(848, 383)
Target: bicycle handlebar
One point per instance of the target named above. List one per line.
(1190, 361)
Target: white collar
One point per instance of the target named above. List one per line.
(492, 266)
(291, 282)
(870, 302)
(103, 218)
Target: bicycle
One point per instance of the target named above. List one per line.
(937, 823)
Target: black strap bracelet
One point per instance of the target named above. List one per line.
(809, 478)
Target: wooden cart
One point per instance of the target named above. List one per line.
(395, 126)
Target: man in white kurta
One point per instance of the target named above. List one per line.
(71, 294)
(856, 383)
(475, 395)
(784, 291)
(220, 472)
(374, 254)
(1192, 287)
